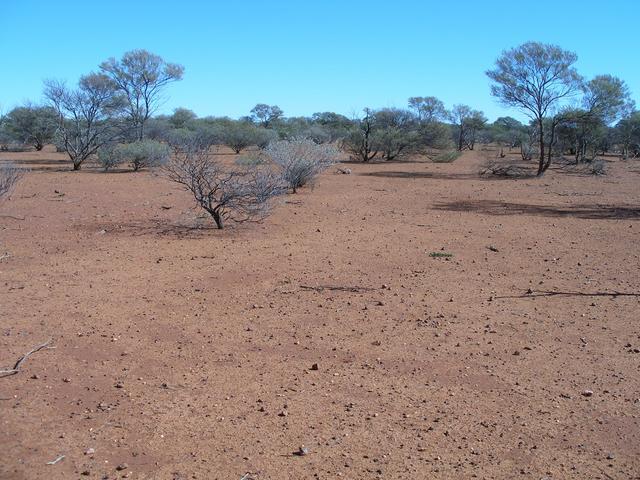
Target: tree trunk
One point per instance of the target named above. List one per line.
(541, 164)
(218, 219)
(77, 165)
(460, 138)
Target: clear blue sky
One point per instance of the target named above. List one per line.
(310, 55)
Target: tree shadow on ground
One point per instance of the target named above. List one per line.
(161, 228)
(43, 165)
(588, 211)
(548, 293)
(441, 176)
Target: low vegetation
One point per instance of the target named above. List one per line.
(139, 154)
(9, 177)
(237, 194)
(446, 157)
(301, 160)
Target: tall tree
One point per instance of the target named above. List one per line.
(265, 114)
(142, 77)
(535, 78)
(428, 109)
(89, 116)
(467, 122)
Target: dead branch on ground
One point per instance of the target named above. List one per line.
(321, 288)
(18, 364)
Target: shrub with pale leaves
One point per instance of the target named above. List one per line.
(301, 160)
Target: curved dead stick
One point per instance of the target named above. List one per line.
(18, 364)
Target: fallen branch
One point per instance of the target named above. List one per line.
(545, 293)
(12, 216)
(18, 364)
(6, 255)
(321, 288)
(53, 462)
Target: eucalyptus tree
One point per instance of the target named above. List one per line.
(467, 123)
(142, 77)
(89, 116)
(536, 78)
(266, 115)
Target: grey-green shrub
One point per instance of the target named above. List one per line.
(140, 154)
(301, 160)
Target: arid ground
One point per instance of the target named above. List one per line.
(192, 353)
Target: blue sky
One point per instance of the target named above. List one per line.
(309, 56)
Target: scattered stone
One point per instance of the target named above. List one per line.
(122, 466)
(119, 385)
(302, 451)
(587, 393)
(516, 353)
(492, 248)
(283, 413)
(90, 451)
(610, 456)
(86, 473)
(315, 366)
(66, 380)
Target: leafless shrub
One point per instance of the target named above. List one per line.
(301, 160)
(598, 167)
(501, 169)
(526, 151)
(238, 194)
(9, 177)
(15, 147)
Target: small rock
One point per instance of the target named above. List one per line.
(587, 393)
(610, 456)
(283, 413)
(90, 451)
(315, 366)
(86, 473)
(122, 466)
(119, 385)
(516, 353)
(302, 451)
(66, 380)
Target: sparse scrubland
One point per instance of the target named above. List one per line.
(463, 304)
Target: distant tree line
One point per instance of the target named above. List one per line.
(117, 105)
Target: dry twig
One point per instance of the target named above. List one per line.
(18, 364)
(321, 288)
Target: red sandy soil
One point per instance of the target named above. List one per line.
(187, 353)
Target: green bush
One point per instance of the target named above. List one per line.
(446, 157)
(140, 154)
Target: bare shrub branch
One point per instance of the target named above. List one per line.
(9, 177)
(238, 194)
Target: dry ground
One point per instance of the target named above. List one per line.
(187, 353)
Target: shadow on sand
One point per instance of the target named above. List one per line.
(589, 211)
